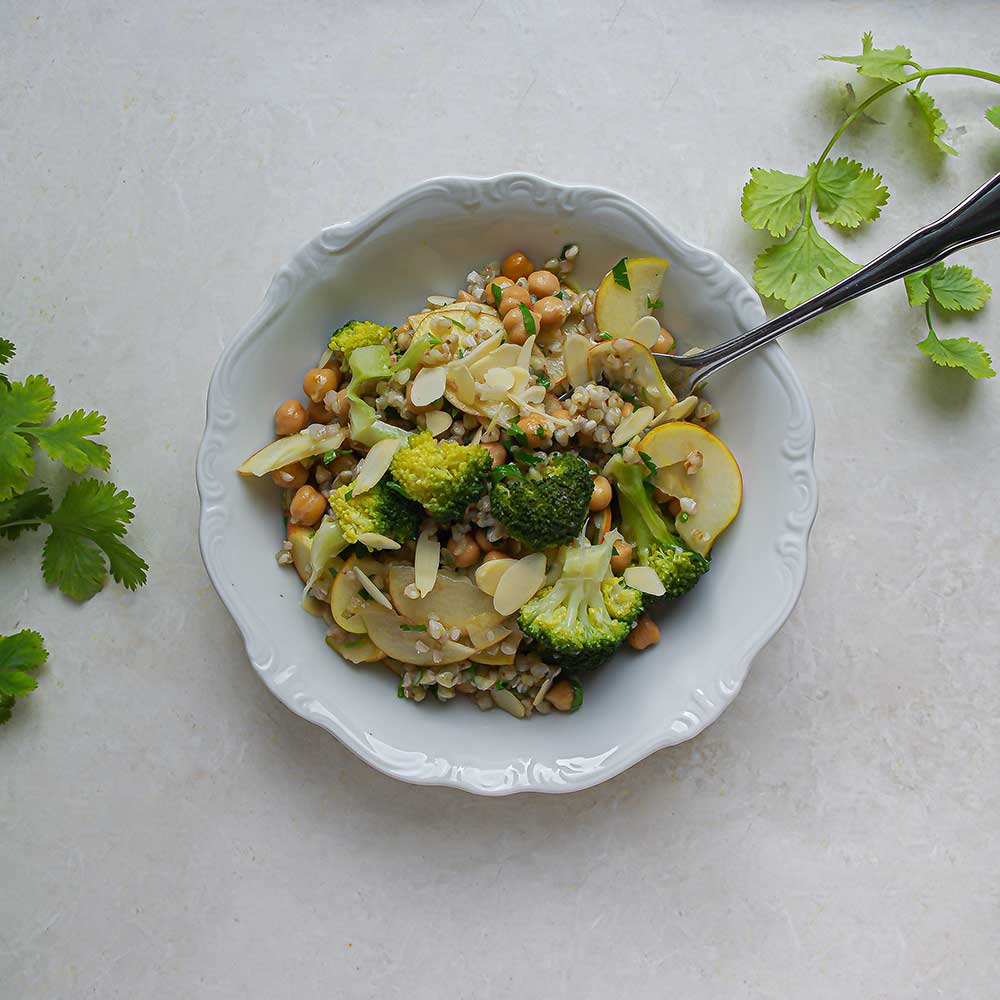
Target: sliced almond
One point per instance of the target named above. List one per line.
(465, 384)
(500, 378)
(543, 691)
(373, 540)
(644, 578)
(477, 437)
(428, 386)
(483, 349)
(290, 449)
(375, 464)
(633, 424)
(645, 331)
(426, 561)
(524, 358)
(575, 350)
(680, 410)
(508, 701)
(439, 300)
(438, 421)
(519, 584)
(488, 574)
(324, 357)
(376, 594)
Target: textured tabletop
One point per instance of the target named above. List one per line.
(169, 830)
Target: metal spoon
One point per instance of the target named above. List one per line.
(976, 220)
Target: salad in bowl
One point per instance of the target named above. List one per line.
(490, 496)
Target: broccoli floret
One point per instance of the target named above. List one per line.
(548, 505)
(442, 476)
(573, 622)
(674, 563)
(382, 510)
(359, 333)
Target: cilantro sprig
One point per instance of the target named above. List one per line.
(844, 194)
(85, 531)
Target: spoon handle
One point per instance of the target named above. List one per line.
(977, 219)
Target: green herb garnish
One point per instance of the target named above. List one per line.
(543, 380)
(653, 303)
(620, 273)
(559, 295)
(577, 694)
(683, 516)
(529, 320)
(435, 341)
(399, 691)
(413, 628)
(455, 322)
(503, 471)
(649, 463)
(604, 336)
(497, 292)
(517, 433)
(527, 457)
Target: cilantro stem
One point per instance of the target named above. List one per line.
(22, 524)
(918, 77)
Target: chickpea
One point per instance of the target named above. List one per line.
(513, 324)
(560, 696)
(537, 430)
(319, 381)
(494, 554)
(542, 283)
(622, 557)
(488, 297)
(290, 477)
(646, 633)
(511, 297)
(307, 506)
(464, 296)
(601, 496)
(435, 405)
(665, 343)
(552, 311)
(320, 413)
(342, 463)
(464, 551)
(290, 417)
(517, 266)
(497, 452)
(342, 405)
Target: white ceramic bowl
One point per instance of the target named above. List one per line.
(381, 267)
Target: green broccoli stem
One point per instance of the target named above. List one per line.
(640, 516)
(414, 354)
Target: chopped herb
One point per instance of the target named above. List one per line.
(393, 485)
(649, 463)
(604, 336)
(620, 273)
(455, 322)
(364, 595)
(329, 457)
(529, 320)
(577, 694)
(559, 295)
(503, 471)
(541, 432)
(653, 303)
(349, 495)
(461, 353)
(413, 628)
(629, 397)
(518, 434)
(528, 457)
(542, 379)
(500, 685)
(684, 515)
(436, 341)
(399, 691)
(497, 292)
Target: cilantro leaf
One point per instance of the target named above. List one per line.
(847, 193)
(993, 116)
(86, 529)
(20, 655)
(7, 352)
(958, 352)
(652, 303)
(891, 65)
(954, 288)
(31, 506)
(620, 273)
(801, 267)
(66, 442)
(528, 319)
(772, 200)
(934, 119)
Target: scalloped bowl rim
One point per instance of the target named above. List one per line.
(520, 773)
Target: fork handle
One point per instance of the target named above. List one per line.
(973, 221)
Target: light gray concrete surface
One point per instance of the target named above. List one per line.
(169, 830)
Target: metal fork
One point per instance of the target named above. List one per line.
(977, 219)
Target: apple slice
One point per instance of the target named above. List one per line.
(716, 487)
(346, 602)
(356, 648)
(388, 631)
(631, 369)
(616, 308)
(454, 600)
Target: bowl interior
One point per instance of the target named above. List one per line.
(636, 702)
